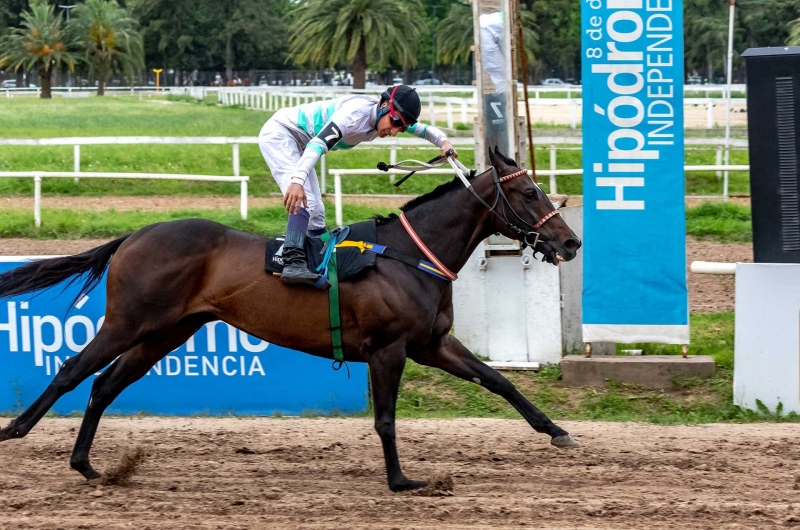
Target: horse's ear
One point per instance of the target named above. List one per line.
(498, 160)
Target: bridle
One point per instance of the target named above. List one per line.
(501, 199)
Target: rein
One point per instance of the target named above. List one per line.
(524, 234)
(460, 170)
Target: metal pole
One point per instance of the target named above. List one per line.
(524, 61)
(337, 187)
(37, 200)
(728, 113)
(243, 199)
(553, 165)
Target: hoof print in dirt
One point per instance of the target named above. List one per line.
(441, 486)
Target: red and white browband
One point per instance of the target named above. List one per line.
(514, 175)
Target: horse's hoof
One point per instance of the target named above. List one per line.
(565, 441)
(407, 485)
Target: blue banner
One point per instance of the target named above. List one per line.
(634, 254)
(220, 370)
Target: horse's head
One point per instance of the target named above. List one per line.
(528, 209)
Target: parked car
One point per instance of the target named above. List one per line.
(397, 81)
(554, 81)
(694, 80)
(429, 81)
(9, 83)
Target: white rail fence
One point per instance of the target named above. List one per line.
(550, 144)
(552, 173)
(456, 109)
(37, 177)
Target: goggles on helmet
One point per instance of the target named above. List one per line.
(395, 110)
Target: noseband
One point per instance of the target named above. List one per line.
(500, 194)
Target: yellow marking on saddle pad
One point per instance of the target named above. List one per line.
(434, 269)
(360, 245)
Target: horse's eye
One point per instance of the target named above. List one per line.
(530, 195)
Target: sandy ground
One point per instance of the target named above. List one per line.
(329, 473)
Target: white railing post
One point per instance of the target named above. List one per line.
(37, 200)
(392, 158)
(709, 113)
(725, 175)
(553, 164)
(337, 189)
(243, 198)
(323, 170)
(235, 160)
(718, 160)
(76, 160)
(464, 111)
(573, 112)
(431, 110)
(449, 114)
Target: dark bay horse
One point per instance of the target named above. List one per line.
(168, 279)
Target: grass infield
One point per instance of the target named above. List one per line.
(182, 116)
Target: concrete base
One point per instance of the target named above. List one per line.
(650, 371)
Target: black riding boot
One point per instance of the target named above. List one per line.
(295, 268)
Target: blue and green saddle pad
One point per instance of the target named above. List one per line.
(339, 255)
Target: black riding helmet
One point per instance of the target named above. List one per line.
(403, 100)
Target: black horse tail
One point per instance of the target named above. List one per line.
(41, 274)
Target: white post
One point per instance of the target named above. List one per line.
(718, 160)
(709, 113)
(431, 110)
(323, 170)
(392, 159)
(553, 188)
(464, 111)
(37, 200)
(572, 114)
(449, 114)
(728, 113)
(235, 160)
(337, 189)
(243, 199)
(76, 160)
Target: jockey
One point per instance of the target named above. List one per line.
(294, 138)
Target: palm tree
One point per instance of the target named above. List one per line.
(109, 38)
(41, 43)
(331, 32)
(455, 34)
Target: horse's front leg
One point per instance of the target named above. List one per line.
(454, 358)
(385, 370)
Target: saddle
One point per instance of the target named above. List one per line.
(349, 260)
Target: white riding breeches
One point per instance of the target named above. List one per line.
(281, 151)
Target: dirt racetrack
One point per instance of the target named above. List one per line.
(205, 473)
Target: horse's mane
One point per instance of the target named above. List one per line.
(436, 192)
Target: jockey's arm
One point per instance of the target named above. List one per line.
(434, 136)
(318, 146)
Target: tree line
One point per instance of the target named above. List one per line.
(101, 38)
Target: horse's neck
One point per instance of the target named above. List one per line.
(452, 225)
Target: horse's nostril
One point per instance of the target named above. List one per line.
(572, 245)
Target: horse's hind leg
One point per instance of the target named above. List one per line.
(453, 357)
(109, 343)
(126, 370)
